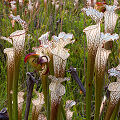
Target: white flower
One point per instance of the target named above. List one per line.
(114, 88)
(94, 14)
(56, 88)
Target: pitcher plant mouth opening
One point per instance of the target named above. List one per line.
(37, 105)
(94, 14)
(115, 72)
(114, 89)
(110, 18)
(93, 38)
(69, 113)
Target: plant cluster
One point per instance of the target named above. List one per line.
(48, 62)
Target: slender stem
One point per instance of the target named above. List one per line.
(51, 67)
(90, 73)
(54, 111)
(110, 110)
(99, 82)
(57, 111)
(15, 87)
(45, 84)
(9, 90)
(48, 101)
(59, 115)
(115, 111)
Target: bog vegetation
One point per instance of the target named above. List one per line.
(59, 60)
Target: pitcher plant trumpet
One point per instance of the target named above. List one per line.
(10, 70)
(114, 89)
